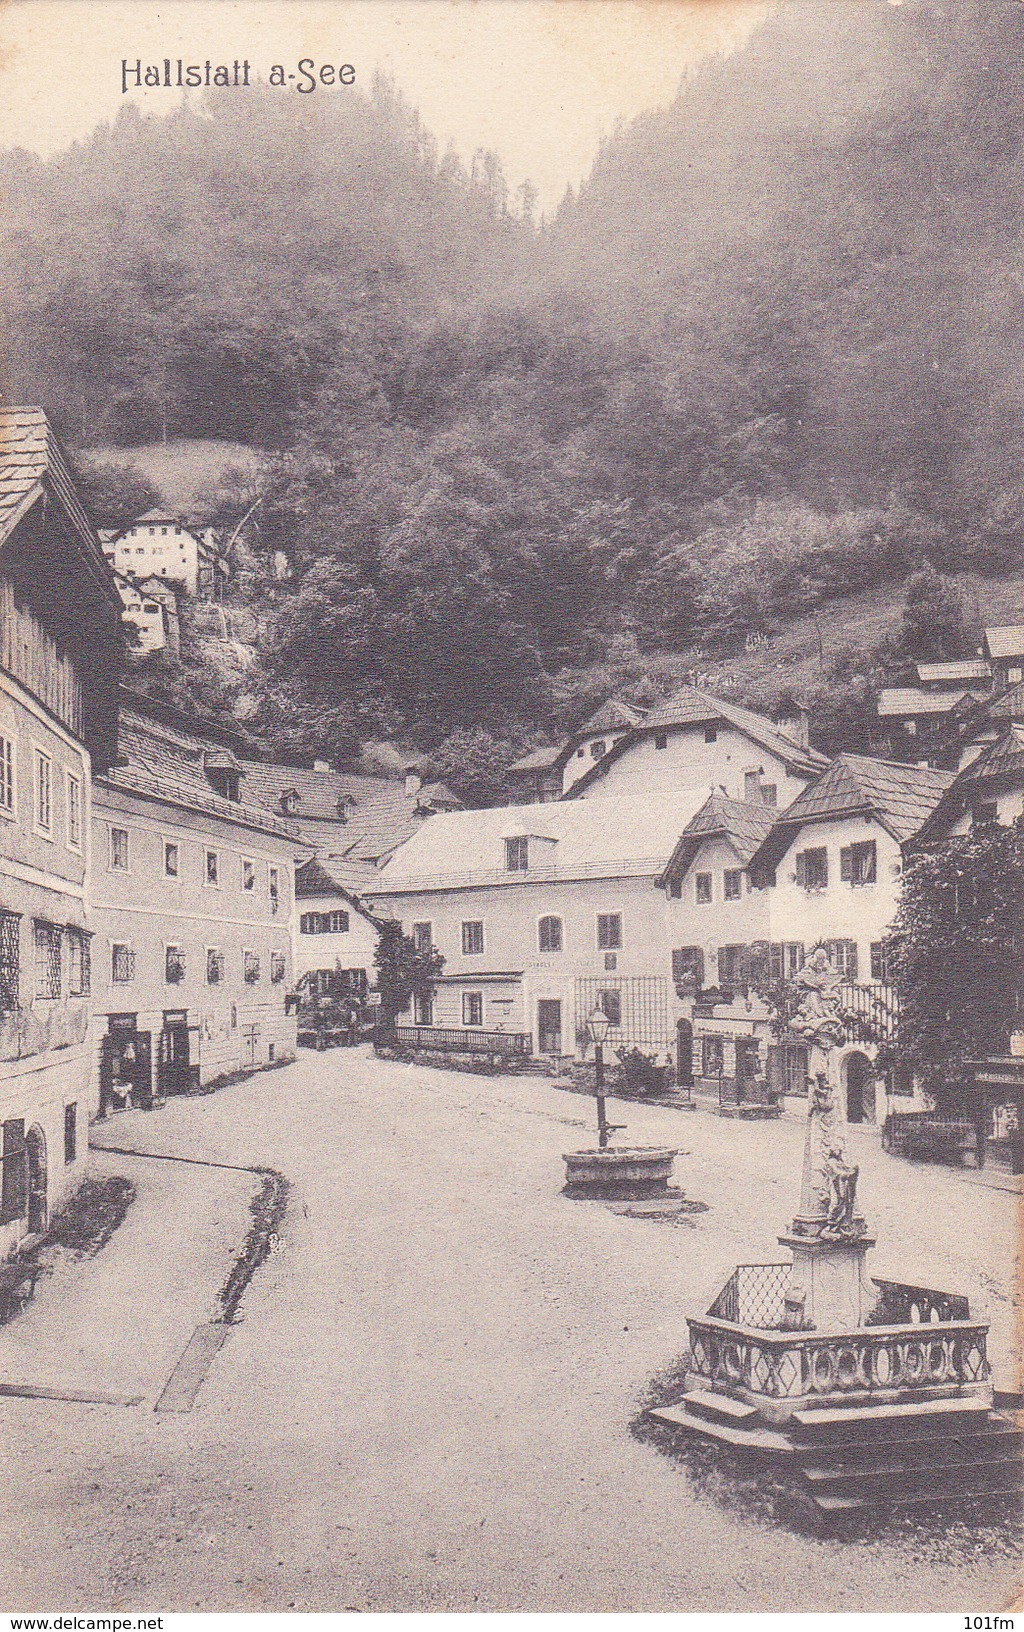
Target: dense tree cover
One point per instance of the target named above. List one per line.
(404, 971)
(957, 957)
(770, 354)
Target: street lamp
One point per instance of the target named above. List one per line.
(598, 1027)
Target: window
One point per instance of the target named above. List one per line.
(984, 812)
(14, 1188)
(250, 968)
(122, 963)
(248, 875)
(611, 1006)
(752, 787)
(174, 965)
(661, 739)
(48, 938)
(769, 794)
(119, 849)
(609, 931)
(70, 1133)
(278, 966)
(857, 863)
(214, 966)
(1014, 676)
(732, 965)
(472, 938)
(170, 859)
(517, 855)
(688, 963)
(675, 889)
(713, 1057)
(309, 923)
(423, 937)
(79, 964)
(580, 753)
(812, 869)
(549, 934)
(10, 961)
(43, 793)
(73, 812)
(794, 1070)
(880, 961)
(732, 883)
(711, 733)
(702, 888)
(598, 749)
(6, 776)
(785, 958)
(337, 922)
(472, 1008)
(843, 957)
(275, 890)
(422, 1009)
(212, 867)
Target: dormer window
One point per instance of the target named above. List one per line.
(225, 783)
(517, 855)
(289, 802)
(598, 749)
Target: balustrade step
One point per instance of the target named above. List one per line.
(753, 1436)
(837, 1505)
(920, 1450)
(825, 1419)
(718, 1406)
(888, 1479)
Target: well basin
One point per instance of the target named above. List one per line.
(621, 1172)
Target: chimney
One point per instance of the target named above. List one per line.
(797, 727)
(321, 765)
(413, 783)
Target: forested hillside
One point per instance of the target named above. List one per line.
(771, 355)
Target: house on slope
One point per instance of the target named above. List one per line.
(1003, 646)
(695, 739)
(990, 788)
(548, 773)
(543, 911)
(974, 726)
(61, 650)
(832, 864)
(150, 614)
(159, 544)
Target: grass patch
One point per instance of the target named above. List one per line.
(92, 1215)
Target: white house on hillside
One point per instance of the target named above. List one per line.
(160, 543)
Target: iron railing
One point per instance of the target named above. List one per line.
(448, 1039)
(900, 1305)
(642, 1008)
(753, 1295)
(631, 867)
(871, 1012)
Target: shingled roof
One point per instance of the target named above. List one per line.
(744, 825)
(692, 706)
(327, 875)
(363, 818)
(997, 767)
(32, 464)
(900, 797)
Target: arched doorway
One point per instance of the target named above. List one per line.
(859, 1075)
(35, 1144)
(684, 1054)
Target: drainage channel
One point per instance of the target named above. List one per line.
(268, 1209)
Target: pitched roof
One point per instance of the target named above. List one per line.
(998, 765)
(613, 715)
(901, 797)
(745, 826)
(1005, 640)
(361, 817)
(691, 706)
(326, 875)
(163, 762)
(32, 464)
(626, 837)
(972, 668)
(539, 759)
(908, 700)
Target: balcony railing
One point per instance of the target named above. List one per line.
(450, 1040)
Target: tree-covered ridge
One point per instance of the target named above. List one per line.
(770, 356)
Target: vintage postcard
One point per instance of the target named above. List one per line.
(511, 808)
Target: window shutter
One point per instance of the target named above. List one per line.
(775, 970)
(851, 960)
(776, 1080)
(868, 868)
(801, 869)
(846, 864)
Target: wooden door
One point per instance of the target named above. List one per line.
(549, 1025)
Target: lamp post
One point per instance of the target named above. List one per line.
(598, 1026)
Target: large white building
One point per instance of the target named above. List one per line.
(160, 544)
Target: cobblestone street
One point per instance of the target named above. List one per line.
(426, 1404)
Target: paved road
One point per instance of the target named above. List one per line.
(426, 1404)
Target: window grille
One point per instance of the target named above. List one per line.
(214, 966)
(174, 965)
(6, 774)
(609, 931)
(250, 968)
(472, 940)
(643, 1008)
(79, 963)
(48, 938)
(278, 966)
(10, 961)
(122, 964)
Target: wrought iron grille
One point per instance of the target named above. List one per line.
(48, 939)
(79, 963)
(174, 965)
(871, 1012)
(214, 966)
(901, 1305)
(642, 1009)
(10, 960)
(251, 968)
(122, 964)
(753, 1295)
(277, 967)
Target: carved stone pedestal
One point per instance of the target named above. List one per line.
(837, 1296)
